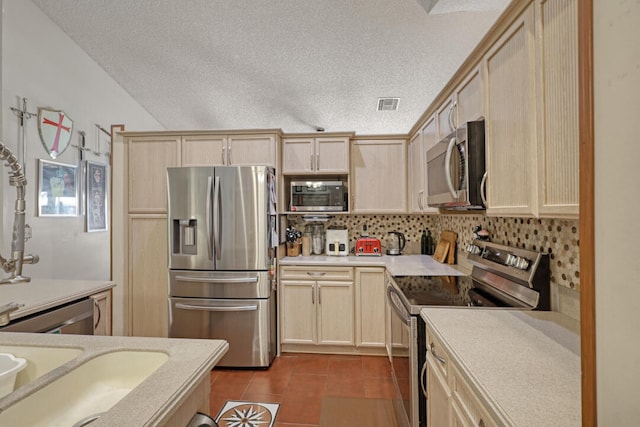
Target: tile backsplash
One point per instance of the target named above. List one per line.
(557, 237)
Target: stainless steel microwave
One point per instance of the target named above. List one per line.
(456, 172)
(318, 196)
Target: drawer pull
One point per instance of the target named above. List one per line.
(438, 358)
(316, 273)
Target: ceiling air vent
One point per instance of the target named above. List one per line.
(388, 104)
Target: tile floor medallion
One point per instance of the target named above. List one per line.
(247, 414)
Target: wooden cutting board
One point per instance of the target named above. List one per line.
(450, 237)
(442, 250)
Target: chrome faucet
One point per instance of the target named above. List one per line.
(6, 310)
(14, 264)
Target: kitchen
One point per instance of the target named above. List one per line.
(54, 264)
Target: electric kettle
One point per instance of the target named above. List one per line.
(396, 243)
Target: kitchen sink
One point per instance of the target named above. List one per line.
(40, 360)
(92, 388)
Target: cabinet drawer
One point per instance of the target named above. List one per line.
(467, 403)
(316, 273)
(440, 356)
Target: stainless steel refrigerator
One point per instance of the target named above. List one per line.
(222, 239)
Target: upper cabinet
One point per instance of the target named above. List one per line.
(310, 155)
(424, 139)
(557, 125)
(532, 112)
(510, 127)
(469, 98)
(230, 150)
(378, 176)
(146, 168)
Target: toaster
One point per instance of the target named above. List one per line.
(337, 242)
(368, 246)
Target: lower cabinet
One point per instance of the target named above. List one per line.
(102, 313)
(148, 290)
(317, 306)
(466, 406)
(370, 306)
(450, 399)
(332, 309)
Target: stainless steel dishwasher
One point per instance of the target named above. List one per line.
(73, 318)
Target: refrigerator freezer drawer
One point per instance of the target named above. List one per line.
(249, 326)
(213, 284)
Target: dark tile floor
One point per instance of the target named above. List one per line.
(298, 382)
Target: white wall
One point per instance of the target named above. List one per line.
(41, 63)
(617, 192)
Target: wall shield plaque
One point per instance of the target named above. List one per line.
(55, 129)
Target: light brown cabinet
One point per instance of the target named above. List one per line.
(450, 399)
(146, 168)
(424, 139)
(229, 150)
(148, 288)
(317, 306)
(378, 176)
(510, 127)
(370, 306)
(102, 313)
(557, 125)
(310, 155)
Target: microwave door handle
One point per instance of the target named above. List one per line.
(208, 214)
(483, 189)
(447, 168)
(216, 217)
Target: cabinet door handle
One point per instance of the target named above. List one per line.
(224, 154)
(319, 294)
(230, 161)
(423, 379)
(317, 162)
(316, 273)
(313, 297)
(311, 162)
(438, 358)
(452, 121)
(420, 198)
(95, 303)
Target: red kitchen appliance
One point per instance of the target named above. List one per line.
(368, 246)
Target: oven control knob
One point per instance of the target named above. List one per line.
(523, 263)
(511, 260)
(473, 249)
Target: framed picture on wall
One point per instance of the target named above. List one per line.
(57, 189)
(96, 198)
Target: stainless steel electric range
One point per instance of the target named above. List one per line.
(502, 277)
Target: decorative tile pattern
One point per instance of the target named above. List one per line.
(557, 237)
(247, 414)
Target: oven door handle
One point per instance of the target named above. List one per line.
(406, 318)
(218, 308)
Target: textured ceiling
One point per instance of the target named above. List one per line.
(289, 64)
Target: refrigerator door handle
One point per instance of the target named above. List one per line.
(216, 217)
(253, 307)
(208, 213)
(212, 280)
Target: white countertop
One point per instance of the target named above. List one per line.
(526, 363)
(403, 265)
(150, 403)
(42, 294)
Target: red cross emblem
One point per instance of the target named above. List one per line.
(55, 129)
